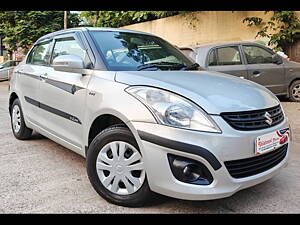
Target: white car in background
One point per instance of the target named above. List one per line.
(6, 69)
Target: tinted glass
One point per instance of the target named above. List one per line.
(6, 64)
(67, 46)
(39, 55)
(229, 56)
(128, 51)
(257, 55)
(212, 59)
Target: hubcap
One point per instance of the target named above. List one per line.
(296, 92)
(16, 118)
(120, 168)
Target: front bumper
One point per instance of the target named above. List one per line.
(211, 149)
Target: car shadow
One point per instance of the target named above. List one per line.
(37, 136)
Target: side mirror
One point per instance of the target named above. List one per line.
(277, 59)
(1, 67)
(68, 63)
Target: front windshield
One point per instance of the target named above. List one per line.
(132, 51)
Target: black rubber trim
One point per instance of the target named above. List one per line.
(71, 88)
(32, 101)
(180, 146)
(86, 150)
(53, 110)
(30, 75)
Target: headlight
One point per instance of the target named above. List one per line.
(173, 110)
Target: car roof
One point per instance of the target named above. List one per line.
(50, 35)
(217, 44)
(203, 49)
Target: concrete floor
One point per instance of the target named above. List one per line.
(40, 176)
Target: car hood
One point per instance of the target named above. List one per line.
(215, 92)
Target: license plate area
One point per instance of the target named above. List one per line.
(271, 141)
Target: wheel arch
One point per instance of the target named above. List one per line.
(13, 96)
(290, 84)
(102, 122)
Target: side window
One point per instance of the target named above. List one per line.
(39, 55)
(212, 59)
(5, 65)
(9, 64)
(67, 46)
(257, 55)
(29, 57)
(228, 56)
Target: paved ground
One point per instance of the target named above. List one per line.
(40, 176)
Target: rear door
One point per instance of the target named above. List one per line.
(62, 94)
(261, 69)
(227, 59)
(29, 79)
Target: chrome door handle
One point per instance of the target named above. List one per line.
(256, 74)
(19, 71)
(44, 76)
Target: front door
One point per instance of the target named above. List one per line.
(262, 71)
(63, 94)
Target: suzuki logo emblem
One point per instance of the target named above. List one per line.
(268, 118)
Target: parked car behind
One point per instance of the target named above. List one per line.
(146, 119)
(251, 61)
(6, 68)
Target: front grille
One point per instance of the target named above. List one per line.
(257, 164)
(253, 120)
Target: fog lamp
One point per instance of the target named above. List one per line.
(189, 170)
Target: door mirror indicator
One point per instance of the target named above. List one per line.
(69, 63)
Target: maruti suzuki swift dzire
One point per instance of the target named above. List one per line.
(146, 118)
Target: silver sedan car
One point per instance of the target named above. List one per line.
(252, 61)
(145, 118)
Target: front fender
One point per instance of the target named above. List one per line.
(117, 103)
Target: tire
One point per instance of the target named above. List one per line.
(101, 147)
(294, 91)
(21, 132)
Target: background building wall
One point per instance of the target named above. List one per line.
(204, 27)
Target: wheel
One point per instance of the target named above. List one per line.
(116, 168)
(19, 128)
(295, 91)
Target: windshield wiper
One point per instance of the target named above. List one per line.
(191, 67)
(160, 64)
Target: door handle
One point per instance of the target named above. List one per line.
(256, 73)
(19, 71)
(44, 76)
